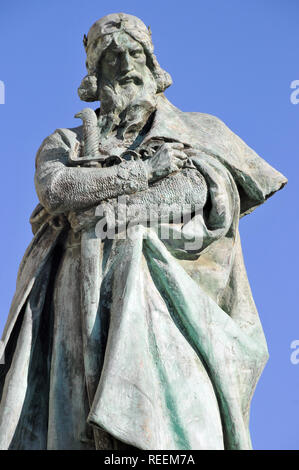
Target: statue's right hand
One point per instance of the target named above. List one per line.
(168, 159)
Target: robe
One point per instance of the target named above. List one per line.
(140, 341)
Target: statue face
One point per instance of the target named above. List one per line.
(127, 88)
(124, 62)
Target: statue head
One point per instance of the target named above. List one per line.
(126, 41)
(123, 73)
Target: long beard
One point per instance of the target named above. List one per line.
(125, 109)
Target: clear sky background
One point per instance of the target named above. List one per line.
(233, 59)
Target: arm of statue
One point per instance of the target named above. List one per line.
(62, 188)
(167, 200)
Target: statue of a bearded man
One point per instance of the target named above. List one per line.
(136, 331)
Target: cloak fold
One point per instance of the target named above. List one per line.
(172, 342)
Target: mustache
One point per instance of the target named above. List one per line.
(134, 76)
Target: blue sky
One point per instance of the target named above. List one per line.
(233, 59)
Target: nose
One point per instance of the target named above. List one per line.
(126, 62)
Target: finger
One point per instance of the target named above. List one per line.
(192, 152)
(181, 155)
(172, 145)
(176, 145)
(178, 162)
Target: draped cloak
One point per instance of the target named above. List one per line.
(164, 340)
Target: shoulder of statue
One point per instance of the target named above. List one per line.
(206, 121)
(64, 135)
(62, 140)
(192, 120)
(69, 135)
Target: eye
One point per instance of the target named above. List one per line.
(111, 58)
(137, 53)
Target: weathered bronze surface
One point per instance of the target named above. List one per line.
(133, 322)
